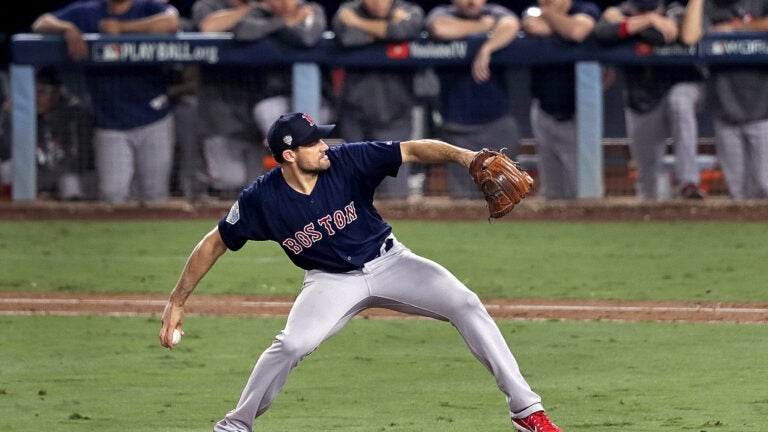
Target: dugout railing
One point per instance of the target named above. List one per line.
(30, 50)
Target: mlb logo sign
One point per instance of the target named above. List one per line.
(106, 52)
(717, 48)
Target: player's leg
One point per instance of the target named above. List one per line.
(557, 151)
(403, 281)
(730, 155)
(326, 303)
(550, 180)
(224, 158)
(113, 157)
(647, 144)
(756, 136)
(187, 134)
(684, 99)
(154, 146)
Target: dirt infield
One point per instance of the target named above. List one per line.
(431, 208)
(506, 309)
(618, 209)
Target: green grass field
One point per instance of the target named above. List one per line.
(722, 261)
(106, 374)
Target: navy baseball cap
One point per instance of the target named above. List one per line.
(294, 130)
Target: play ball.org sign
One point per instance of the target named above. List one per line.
(152, 52)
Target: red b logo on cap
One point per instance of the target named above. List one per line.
(308, 119)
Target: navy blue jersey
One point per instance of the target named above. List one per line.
(336, 227)
(462, 100)
(127, 97)
(554, 85)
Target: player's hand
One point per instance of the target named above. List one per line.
(488, 22)
(299, 16)
(666, 26)
(109, 26)
(77, 48)
(613, 15)
(173, 317)
(348, 17)
(398, 14)
(536, 26)
(481, 70)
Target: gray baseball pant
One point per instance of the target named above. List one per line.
(498, 134)
(674, 116)
(398, 280)
(742, 150)
(558, 155)
(145, 151)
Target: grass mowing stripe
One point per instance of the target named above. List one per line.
(109, 374)
(690, 261)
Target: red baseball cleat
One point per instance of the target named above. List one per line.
(536, 422)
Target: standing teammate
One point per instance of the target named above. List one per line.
(739, 93)
(660, 100)
(474, 104)
(318, 205)
(377, 102)
(553, 90)
(134, 135)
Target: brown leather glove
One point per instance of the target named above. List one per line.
(501, 180)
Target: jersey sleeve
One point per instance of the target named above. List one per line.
(84, 17)
(374, 160)
(244, 221)
(232, 229)
(438, 12)
(586, 8)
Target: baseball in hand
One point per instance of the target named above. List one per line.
(176, 338)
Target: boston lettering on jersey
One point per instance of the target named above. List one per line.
(311, 234)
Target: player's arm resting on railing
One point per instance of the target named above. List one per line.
(355, 30)
(47, 23)
(352, 29)
(254, 27)
(224, 20)
(575, 27)
(535, 25)
(653, 28)
(202, 258)
(502, 35)
(405, 22)
(451, 28)
(305, 26)
(434, 151)
(166, 22)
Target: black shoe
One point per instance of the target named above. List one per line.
(691, 192)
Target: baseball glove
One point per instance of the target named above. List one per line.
(502, 181)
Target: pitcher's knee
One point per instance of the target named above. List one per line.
(293, 348)
(469, 302)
